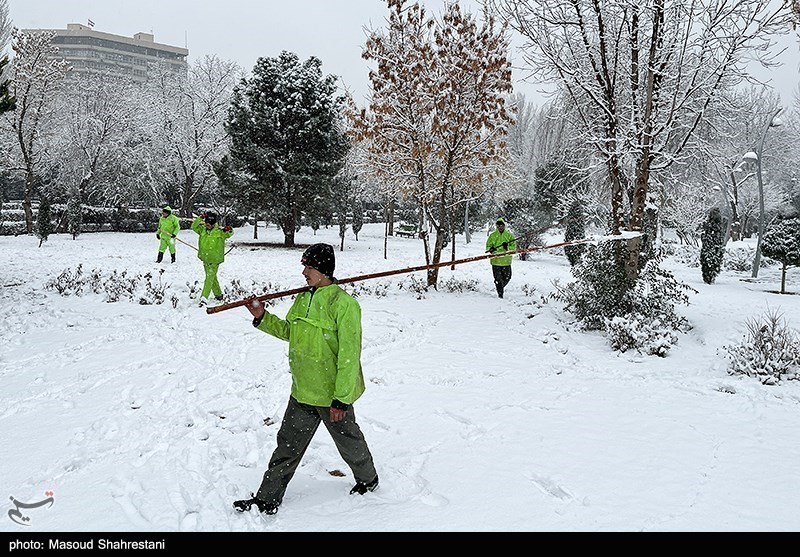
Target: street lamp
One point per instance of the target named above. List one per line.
(772, 122)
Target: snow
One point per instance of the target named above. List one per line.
(482, 414)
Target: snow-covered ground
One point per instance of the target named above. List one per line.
(482, 414)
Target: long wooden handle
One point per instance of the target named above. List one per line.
(181, 241)
(239, 303)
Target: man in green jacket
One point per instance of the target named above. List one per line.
(502, 240)
(323, 328)
(211, 251)
(168, 228)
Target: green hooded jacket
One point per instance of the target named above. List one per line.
(211, 244)
(323, 328)
(169, 225)
(495, 240)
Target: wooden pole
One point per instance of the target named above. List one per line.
(239, 303)
(181, 241)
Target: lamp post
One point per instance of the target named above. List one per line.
(770, 123)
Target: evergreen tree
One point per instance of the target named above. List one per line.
(44, 224)
(8, 101)
(713, 246)
(74, 216)
(782, 243)
(576, 230)
(285, 133)
(358, 218)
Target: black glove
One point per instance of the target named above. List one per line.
(492, 249)
(505, 245)
(158, 235)
(174, 235)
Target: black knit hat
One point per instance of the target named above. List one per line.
(211, 218)
(320, 257)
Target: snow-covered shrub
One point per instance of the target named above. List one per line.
(416, 285)
(687, 255)
(237, 291)
(154, 293)
(120, 286)
(713, 246)
(358, 289)
(602, 292)
(68, 282)
(769, 350)
(459, 285)
(639, 333)
(739, 258)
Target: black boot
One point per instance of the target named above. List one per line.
(172, 255)
(244, 505)
(160, 257)
(361, 488)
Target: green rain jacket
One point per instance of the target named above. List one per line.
(495, 240)
(211, 244)
(323, 328)
(168, 226)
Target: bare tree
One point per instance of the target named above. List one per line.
(193, 109)
(97, 121)
(438, 115)
(641, 75)
(38, 71)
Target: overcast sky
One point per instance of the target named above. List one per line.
(243, 30)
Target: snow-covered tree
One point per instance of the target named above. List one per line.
(74, 214)
(576, 230)
(192, 111)
(44, 223)
(285, 132)
(782, 243)
(37, 72)
(641, 76)
(96, 128)
(712, 249)
(438, 113)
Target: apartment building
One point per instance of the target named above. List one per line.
(90, 51)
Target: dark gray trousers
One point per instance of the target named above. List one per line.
(300, 422)
(502, 276)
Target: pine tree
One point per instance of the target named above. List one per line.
(44, 224)
(782, 243)
(74, 216)
(286, 134)
(576, 230)
(713, 246)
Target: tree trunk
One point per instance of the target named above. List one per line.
(288, 226)
(783, 279)
(186, 196)
(28, 201)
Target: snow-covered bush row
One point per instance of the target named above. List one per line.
(769, 350)
(99, 219)
(144, 289)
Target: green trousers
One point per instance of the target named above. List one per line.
(300, 422)
(166, 243)
(211, 284)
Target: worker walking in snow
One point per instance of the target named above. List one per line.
(211, 251)
(323, 328)
(168, 228)
(501, 240)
